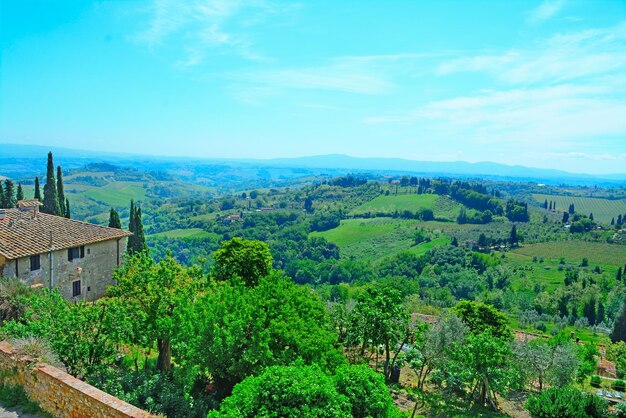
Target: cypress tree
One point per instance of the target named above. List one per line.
(591, 216)
(137, 241)
(114, 219)
(589, 310)
(619, 219)
(565, 217)
(68, 213)
(613, 221)
(618, 275)
(513, 235)
(37, 190)
(600, 316)
(50, 198)
(1, 196)
(141, 238)
(19, 195)
(619, 328)
(8, 197)
(60, 192)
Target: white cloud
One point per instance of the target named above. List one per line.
(369, 75)
(204, 27)
(561, 58)
(548, 117)
(546, 10)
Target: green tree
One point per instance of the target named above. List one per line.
(68, 211)
(19, 195)
(513, 236)
(245, 260)
(543, 361)
(37, 190)
(50, 197)
(483, 363)
(158, 291)
(60, 192)
(366, 391)
(137, 241)
(379, 318)
(235, 330)
(283, 391)
(566, 402)
(83, 336)
(8, 196)
(619, 326)
(432, 349)
(114, 219)
(480, 317)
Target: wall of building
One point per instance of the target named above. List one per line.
(2, 264)
(58, 393)
(94, 270)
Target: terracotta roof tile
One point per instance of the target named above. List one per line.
(25, 233)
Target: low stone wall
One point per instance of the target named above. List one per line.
(59, 393)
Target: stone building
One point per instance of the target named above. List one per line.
(77, 258)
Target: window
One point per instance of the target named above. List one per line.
(35, 262)
(75, 252)
(76, 288)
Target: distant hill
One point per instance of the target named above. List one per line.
(29, 160)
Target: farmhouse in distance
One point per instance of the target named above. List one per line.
(77, 258)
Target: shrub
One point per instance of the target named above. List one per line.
(596, 381)
(366, 391)
(285, 391)
(566, 402)
(38, 348)
(619, 385)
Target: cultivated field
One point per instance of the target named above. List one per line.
(574, 251)
(185, 233)
(442, 207)
(378, 238)
(603, 209)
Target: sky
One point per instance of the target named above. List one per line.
(533, 83)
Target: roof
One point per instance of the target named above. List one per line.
(26, 233)
(32, 203)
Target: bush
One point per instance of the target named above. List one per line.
(566, 402)
(596, 381)
(366, 391)
(619, 385)
(285, 391)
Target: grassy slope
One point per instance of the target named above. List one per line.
(443, 207)
(603, 209)
(185, 233)
(574, 251)
(374, 239)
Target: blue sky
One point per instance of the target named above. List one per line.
(536, 83)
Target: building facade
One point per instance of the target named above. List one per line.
(75, 257)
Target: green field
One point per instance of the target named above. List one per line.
(603, 209)
(185, 233)
(574, 251)
(375, 239)
(442, 207)
(117, 194)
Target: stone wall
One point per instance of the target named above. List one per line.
(59, 393)
(94, 270)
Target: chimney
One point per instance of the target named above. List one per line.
(26, 205)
